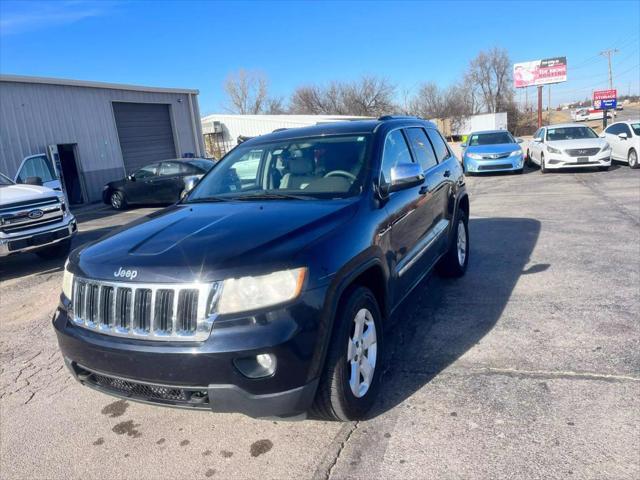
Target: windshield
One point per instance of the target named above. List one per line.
(570, 133)
(490, 138)
(636, 128)
(4, 180)
(316, 167)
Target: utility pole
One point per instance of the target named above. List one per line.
(608, 53)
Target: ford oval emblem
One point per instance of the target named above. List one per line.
(35, 214)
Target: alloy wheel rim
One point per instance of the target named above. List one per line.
(462, 242)
(633, 158)
(115, 200)
(362, 352)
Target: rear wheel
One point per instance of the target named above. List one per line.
(455, 261)
(117, 200)
(632, 158)
(57, 250)
(350, 381)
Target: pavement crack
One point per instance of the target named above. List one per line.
(334, 451)
(564, 375)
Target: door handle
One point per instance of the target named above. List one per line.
(447, 173)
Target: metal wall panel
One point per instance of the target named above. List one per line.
(34, 115)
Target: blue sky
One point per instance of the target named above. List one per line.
(197, 44)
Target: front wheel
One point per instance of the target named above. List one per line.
(632, 158)
(455, 261)
(350, 381)
(543, 168)
(117, 200)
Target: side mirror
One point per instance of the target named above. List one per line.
(537, 139)
(33, 181)
(463, 145)
(622, 136)
(603, 135)
(519, 140)
(405, 175)
(189, 184)
(131, 178)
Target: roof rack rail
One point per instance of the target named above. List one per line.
(397, 117)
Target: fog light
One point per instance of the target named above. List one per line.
(262, 365)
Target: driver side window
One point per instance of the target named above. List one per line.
(395, 151)
(146, 172)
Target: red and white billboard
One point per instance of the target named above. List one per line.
(540, 72)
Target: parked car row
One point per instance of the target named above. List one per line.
(553, 147)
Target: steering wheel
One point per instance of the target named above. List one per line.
(341, 173)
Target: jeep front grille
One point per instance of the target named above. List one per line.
(170, 312)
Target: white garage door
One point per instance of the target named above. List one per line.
(145, 133)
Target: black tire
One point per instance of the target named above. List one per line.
(117, 200)
(450, 265)
(527, 160)
(630, 158)
(543, 168)
(57, 250)
(335, 399)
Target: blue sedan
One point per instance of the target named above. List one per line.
(492, 151)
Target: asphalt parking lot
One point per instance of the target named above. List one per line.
(528, 367)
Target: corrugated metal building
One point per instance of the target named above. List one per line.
(221, 131)
(93, 132)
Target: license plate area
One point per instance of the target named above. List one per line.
(582, 160)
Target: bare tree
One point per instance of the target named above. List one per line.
(247, 92)
(491, 72)
(368, 96)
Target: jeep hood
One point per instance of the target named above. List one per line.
(205, 242)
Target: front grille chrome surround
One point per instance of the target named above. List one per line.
(582, 152)
(159, 311)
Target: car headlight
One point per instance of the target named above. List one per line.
(475, 156)
(550, 149)
(515, 153)
(606, 147)
(67, 281)
(251, 293)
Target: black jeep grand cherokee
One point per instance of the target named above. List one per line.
(266, 290)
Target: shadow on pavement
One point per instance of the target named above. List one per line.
(443, 318)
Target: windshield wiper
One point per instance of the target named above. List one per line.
(271, 196)
(207, 200)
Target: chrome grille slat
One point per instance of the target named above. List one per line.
(175, 312)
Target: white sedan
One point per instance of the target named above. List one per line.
(568, 145)
(624, 138)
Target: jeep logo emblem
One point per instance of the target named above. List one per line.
(35, 214)
(129, 274)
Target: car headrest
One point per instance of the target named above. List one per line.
(300, 165)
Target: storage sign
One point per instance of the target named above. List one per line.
(605, 99)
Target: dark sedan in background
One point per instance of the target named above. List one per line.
(158, 183)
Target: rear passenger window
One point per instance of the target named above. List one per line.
(421, 148)
(395, 151)
(442, 152)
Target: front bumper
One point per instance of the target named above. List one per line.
(38, 238)
(560, 161)
(204, 375)
(507, 164)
